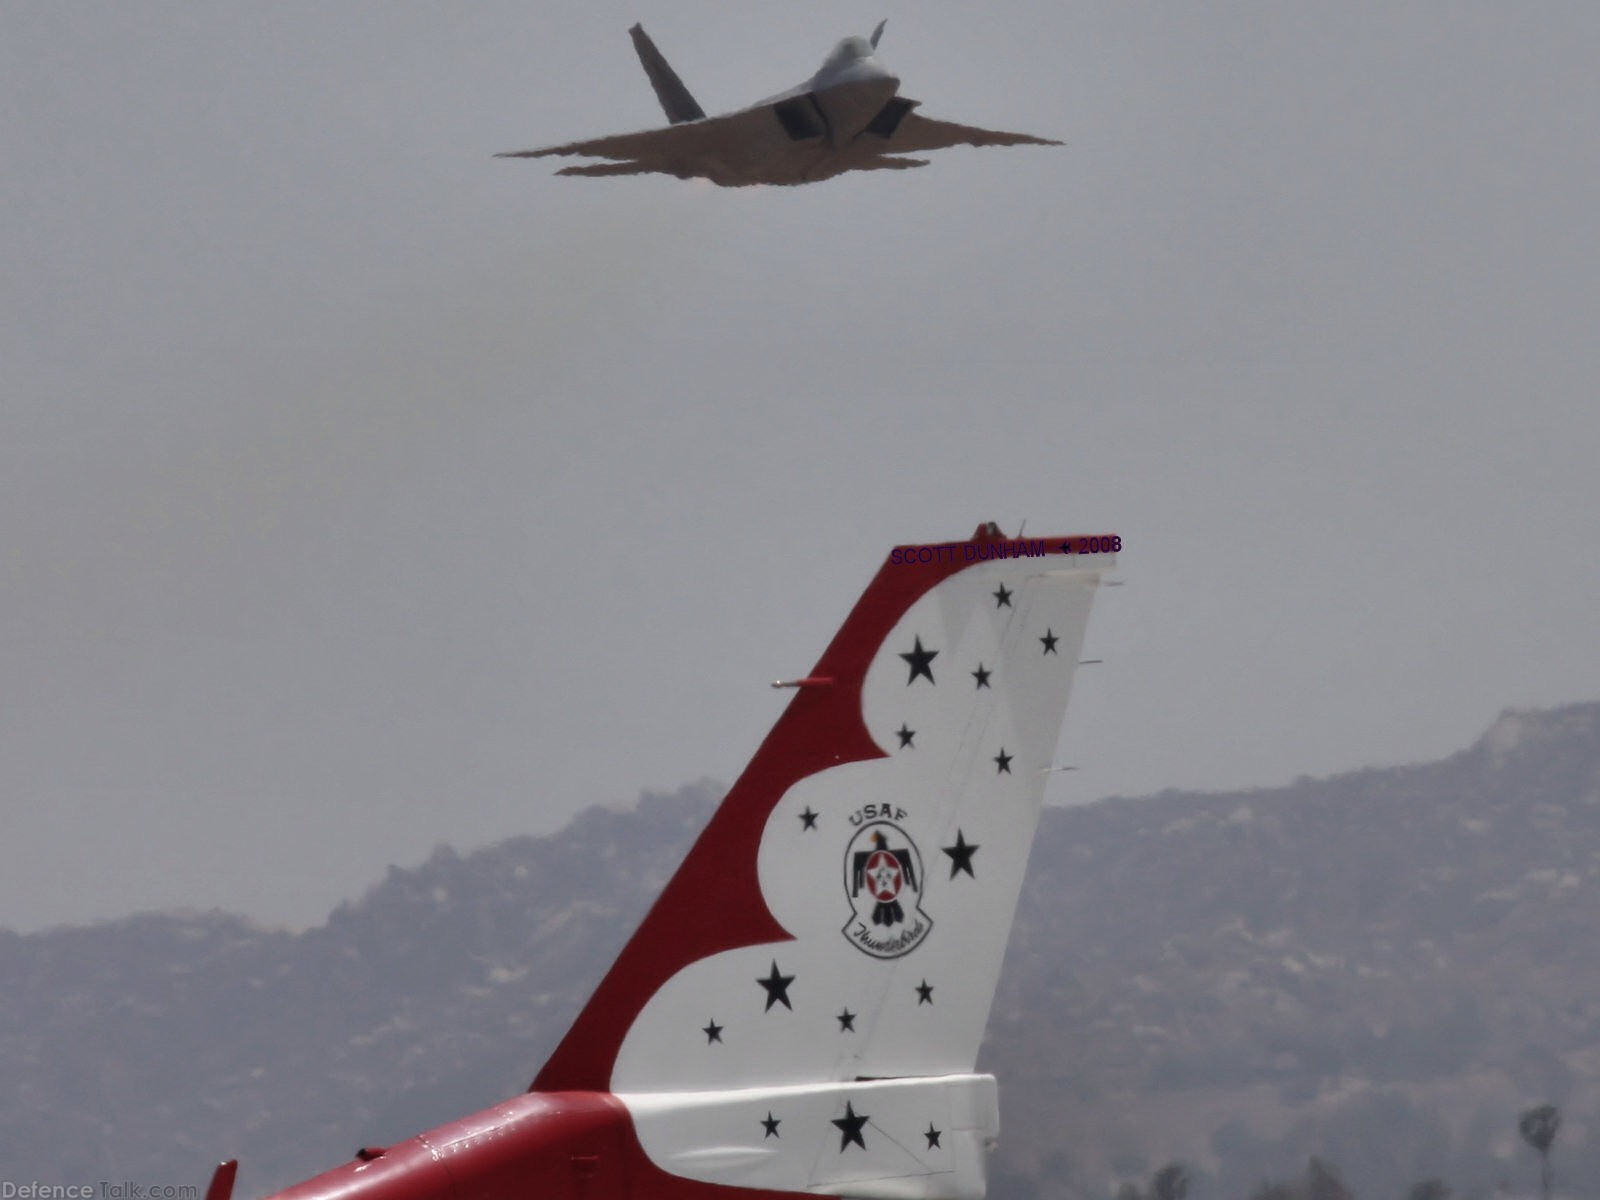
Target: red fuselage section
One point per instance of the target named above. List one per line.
(538, 1146)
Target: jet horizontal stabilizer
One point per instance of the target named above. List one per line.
(892, 162)
(907, 1139)
(615, 168)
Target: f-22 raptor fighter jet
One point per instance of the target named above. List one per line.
(846, 117)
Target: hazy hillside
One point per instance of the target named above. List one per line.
(147, 1048)
(1382, 968)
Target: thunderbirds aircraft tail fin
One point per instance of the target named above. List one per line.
(802, 1008)
(675, 99)
(799, 1015)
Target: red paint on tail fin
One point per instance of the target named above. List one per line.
(222, 1180)
(714, 902)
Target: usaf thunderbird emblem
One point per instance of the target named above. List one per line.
(883, 880)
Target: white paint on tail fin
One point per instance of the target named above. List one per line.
(895, 878)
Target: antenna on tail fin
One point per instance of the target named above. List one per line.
(675, 99)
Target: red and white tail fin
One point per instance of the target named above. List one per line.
(802, 1008)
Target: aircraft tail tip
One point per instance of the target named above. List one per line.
(221, 1187)
(675, 99)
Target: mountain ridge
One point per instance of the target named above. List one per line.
(1244, 978)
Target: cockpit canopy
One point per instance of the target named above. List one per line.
(848, 51)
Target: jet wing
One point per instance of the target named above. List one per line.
(687, 149)
(917, 132)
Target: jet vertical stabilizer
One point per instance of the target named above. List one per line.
(800, 1012)
(675, 99)
(831, 945)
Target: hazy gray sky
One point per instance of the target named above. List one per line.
(362, 492)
